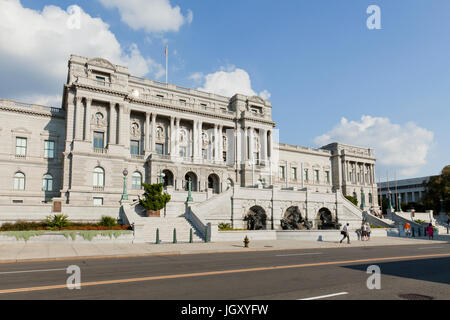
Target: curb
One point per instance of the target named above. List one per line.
(176, 253)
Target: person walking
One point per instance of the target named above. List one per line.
(430, 231)
(345, 233)
(407, 229)
(363, 232)
(368, 230)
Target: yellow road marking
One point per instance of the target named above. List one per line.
(211, 273)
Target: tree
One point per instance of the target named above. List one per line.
(353, 200)
(437, 188)
(154, 198)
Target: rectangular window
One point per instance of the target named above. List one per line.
(316, 176)
(134, 147)
(281, 172)
(183, 152)
(327, 176)
(204, 154)
(182, 102)
(98, 201)
(305, 175)
(21, 146)
(224, 156)
(98, 140)
(203, 106)
(100, 80)
(49, 147)
(294, 173)
(159, 148)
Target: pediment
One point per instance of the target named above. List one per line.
(21, 130)
(102, 63)
(256, 99)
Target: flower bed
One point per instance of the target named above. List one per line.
(74, 235)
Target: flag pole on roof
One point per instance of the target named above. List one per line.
(167, 62)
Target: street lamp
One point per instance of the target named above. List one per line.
(363, 200)
(189, 198)
(390, 202)
(161, 176)
(399, 203)
(124, 193)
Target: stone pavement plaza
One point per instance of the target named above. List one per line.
(60, 251)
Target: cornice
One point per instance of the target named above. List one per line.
(32, 112)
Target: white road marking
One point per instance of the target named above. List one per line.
(297, 254)
(325, 296)
(430, 248)
(28, 271)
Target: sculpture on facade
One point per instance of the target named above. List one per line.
(293, 220)
(256, 218)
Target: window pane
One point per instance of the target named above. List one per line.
(134, 147)
(159, 148)
(98, 140)
(21, 146)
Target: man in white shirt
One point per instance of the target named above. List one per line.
(345, 233)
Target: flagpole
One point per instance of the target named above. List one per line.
(167, 64)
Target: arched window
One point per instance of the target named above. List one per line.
(47, 183)
(136, 180)
(99, 177)
(19, 181)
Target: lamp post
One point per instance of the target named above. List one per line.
(189, 198)
(389, 200)
(161, 176)
(363, 200)
(124, 193)
(399, 203)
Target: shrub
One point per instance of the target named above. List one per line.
(58, 221)
(352, 199)
(224, 226)
(107, 222)
(154, 198)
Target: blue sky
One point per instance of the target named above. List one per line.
(317, 59)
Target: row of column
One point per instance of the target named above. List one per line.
(83, 120)
(361, 168)
(248, 144)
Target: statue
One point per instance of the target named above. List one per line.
(256, 220)
(293, 220)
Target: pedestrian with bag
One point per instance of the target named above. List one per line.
(345, 233)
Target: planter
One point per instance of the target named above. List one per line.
(68, 236)
(153, 213)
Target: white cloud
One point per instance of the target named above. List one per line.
(36, 46)
(228, 81)
(403, 147)
(150, 15)
(265, 94)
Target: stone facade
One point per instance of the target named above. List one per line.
(111, 121)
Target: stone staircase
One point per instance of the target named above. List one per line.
(166, 227)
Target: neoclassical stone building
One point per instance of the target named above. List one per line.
(110, 121)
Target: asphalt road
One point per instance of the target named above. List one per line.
(336, 273)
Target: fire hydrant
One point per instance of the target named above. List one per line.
(246, 242)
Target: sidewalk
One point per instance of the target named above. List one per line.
(10, 253)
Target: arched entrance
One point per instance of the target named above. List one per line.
(325, 220)
(168, 178)
(194, 181)
(293, 220)
(214, 183)
(256, 218)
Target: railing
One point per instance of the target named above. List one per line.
(137, 156)
(98, 188)
(101, 150)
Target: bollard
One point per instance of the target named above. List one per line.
(190, 236)
(157, 237)
(174, 235)
(206, 234)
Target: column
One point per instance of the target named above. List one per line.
(245, 145)
(194, 143)
(125, 126)
(200, 139)
(263, 147)
(120, 126)
(87, 120)
(177, 138)
(172, 136)
(153, 146)
(220, 142)
(112, 123)
(250, 144)
(147, 132)
(78, 118)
